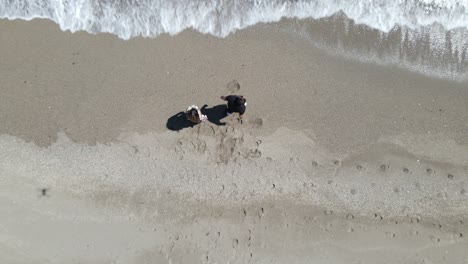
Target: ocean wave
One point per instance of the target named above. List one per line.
(431, 35)
(150, 18)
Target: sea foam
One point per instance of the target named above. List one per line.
(442, 24)
(149, 18)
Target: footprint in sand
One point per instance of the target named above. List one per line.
(350, 217)
(442, 195)
(233, 86)
(244, 212)
(383, 167)
(434, 239)
(257, 123)
(328, 212)
(378, 217)
(463, 191)
(261, 212)
(328, 226)
(235, 243)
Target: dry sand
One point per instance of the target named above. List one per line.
(336, 162)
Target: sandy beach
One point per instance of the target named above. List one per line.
(337, 161)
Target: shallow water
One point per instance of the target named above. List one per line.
(428, 36)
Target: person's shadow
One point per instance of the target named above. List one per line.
(215, 113)
(179, 121)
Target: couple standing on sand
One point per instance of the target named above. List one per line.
(236, 104)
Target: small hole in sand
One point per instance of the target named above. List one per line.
(258, 122)
(383, 167)
(450, 176)
(233, 86)
(405, 170)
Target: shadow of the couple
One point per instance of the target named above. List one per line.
(178, 121)
(215, 114)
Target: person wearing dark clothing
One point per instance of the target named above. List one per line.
(236, 104)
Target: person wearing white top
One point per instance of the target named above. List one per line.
(194, 115)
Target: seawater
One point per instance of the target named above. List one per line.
(440, 26)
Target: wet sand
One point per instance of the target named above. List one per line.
(337, 161)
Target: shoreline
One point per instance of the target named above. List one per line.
(332, 154)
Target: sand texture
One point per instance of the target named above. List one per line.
(336, 161)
